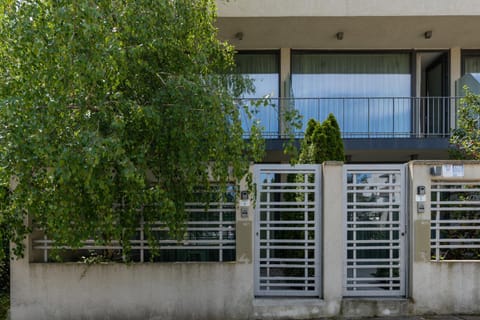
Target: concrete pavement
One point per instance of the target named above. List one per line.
(425, 317)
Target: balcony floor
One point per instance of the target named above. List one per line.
(362, 150)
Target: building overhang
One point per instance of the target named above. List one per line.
(345, 8)
(359, 32)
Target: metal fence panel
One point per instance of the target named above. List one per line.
(287, 230)
(374, 223)
(455, 221)
(210, 236)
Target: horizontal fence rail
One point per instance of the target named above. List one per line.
(455, 221)
(358, 117)
(210, 236)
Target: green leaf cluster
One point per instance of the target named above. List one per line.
(465, 139)
(322, 142)
(109, 106)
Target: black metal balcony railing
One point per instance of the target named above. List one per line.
(379, 117)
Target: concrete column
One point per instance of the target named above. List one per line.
(418, 88)
(420, 237)
(333, 237)
(244, 226)
(284, 84)
(455, 74)
(285, 58)
(418, 74)
(455, 68)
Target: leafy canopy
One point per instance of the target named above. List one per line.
(465, 139)
(111, 105)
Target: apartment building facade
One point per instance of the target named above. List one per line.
(387, 70)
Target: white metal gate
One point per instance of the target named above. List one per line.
(374, 230)
(287, 236)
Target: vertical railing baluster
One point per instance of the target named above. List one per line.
(437, 116)
(343, 118)
(220, 239)
(319, 107)
(427, 127)
(393, 118)
(418, 116)
(45, 250)
(142, 239)
(445, 117)
(368, 117)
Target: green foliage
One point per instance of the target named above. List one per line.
(293, 122)
(4, 278)
(465, 139)
(4, 305)
(111, 105)
(335, 146)
(5, 270)
(322, 142)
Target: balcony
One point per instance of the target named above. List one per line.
(362, 118)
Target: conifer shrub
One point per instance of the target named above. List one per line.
(322, 142)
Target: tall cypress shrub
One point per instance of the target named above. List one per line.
(307, 142)
(334, 144)
(319, 146)
(322, 142)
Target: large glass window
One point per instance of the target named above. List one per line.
(263, 69)
(367, 92)
(471, 63)
(470, 72)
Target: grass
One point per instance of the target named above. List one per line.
(4, 305)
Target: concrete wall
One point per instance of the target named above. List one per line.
(225, 290)
(445, 286)
(138, 291)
